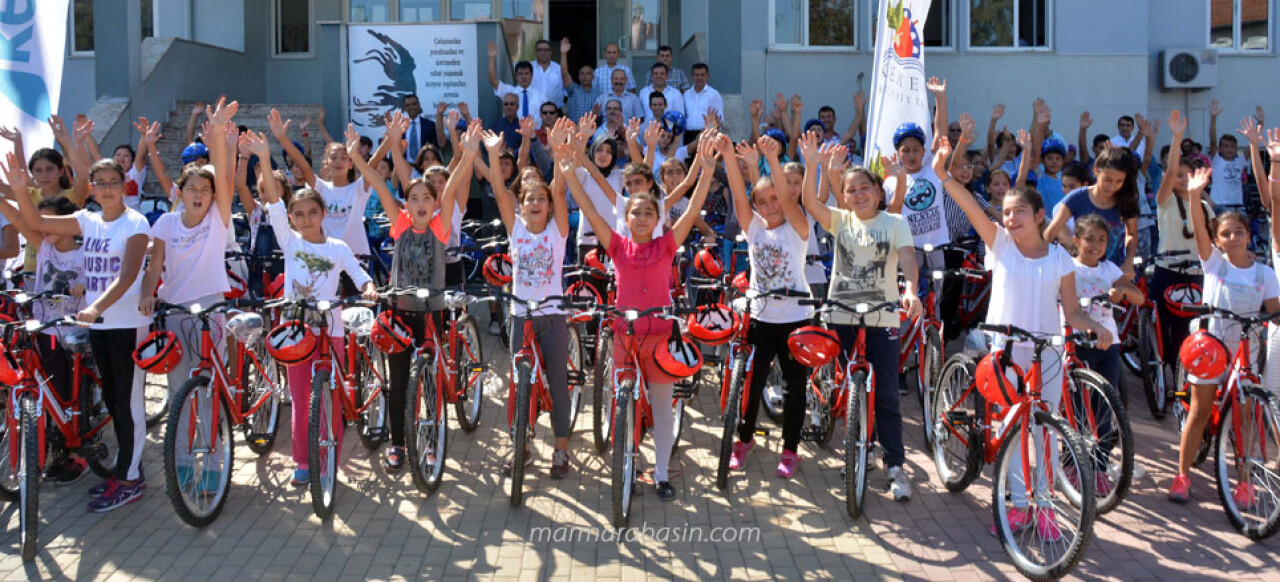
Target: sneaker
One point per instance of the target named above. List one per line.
(494, 327)
(1180, 491)
(1243, 494)
(899, 484)
(559, 464)
(97, 490)
(67, 472)
(739, 456)
(787, 466)
(1019, 519)
(394, 460)
(117, 494)
(301, 478)
(1047, 525)
(506, 467)
(665, 491)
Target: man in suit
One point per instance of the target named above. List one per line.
(421, 130)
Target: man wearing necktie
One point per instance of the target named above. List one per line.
(420, 128)
(530, 97)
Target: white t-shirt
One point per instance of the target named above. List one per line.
(923, 206)
(1094, 281)
(57, 271)
(814, 272)
(777, 262)
(194, 264)
(134, 178)
(1024, 291)
(1242, 291)
(534, 96)
(675, 100)
(104, 248)
(1228, 183)
(311, 270)
(587, 234)
(537, 264)
(344, 213)
(682, 153)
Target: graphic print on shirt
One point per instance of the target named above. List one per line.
(56, 280)
(925, 217)
(536, 261)
(864, 254)
(316, 266)
(771, 268)
(100, 269)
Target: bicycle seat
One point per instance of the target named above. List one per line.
(247, 328)
(458, 300)
(358, 320)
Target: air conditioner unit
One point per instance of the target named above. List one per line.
(1188, 68)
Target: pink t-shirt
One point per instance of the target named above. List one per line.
(644, 278)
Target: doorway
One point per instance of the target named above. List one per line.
(575, 19)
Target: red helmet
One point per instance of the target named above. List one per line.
(11, 372)
(713, 324)
(582, 292)
(996, 387)
(497, 270)
(390, 335)
(742, 281)
(159, 353)
(291, 343)
(275, 289)
(707, 264)
(597, 259)
(1203, 355)
(238, 286)
(1178, 296)
(813, 346)
(678, 357)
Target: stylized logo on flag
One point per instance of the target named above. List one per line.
(32, 47)
(898, 92)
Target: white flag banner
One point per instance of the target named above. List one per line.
(33, 36)
(898, 92)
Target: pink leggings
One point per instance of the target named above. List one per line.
(300, 390)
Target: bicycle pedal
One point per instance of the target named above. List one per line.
(97, 451)
(762, 432)
(959, 418)
(259, 437)
(811, 434)
(577, 377)
(683, 390)
(378, 433)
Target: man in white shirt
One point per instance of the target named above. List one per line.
(531, 98)
(675, 101)
(1229, 167)
(421, 131)
(604, 72)
(675, 75)
(631, 106)
(546, 74)
(1125, 138)
(700, 100)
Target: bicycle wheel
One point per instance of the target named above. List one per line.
(772, 395)
(957, 418)
(602, 390)
(678, 422)
(29, 477)
(261, 425)
(426, 428)
(198, 454)
(371, 387)
(1248, 463)
(1042, 532)
(927, 371)
(856, 444)
(624, 453)
(1155, 373)
(818, 415)
(1100, 419)
(322, 449)
(520, 430)
(156, 398)
(574, 350)
(470, 356)
(731, 416)
(99, 429)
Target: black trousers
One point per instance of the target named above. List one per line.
(113, 355)
(398, 367)
(770, 341)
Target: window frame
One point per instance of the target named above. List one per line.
(71, 33)
(949, 28)
(1237, 30)
(804, 46)
(311, 32)
(1049, 6)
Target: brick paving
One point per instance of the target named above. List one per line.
(385, 529)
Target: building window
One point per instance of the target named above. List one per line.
(1008, 23)
(1240, 25)
(420, 10)
(814, 22)
(523, 9)
(370, 11)
(82, 26)
(470, 9)
(937, 29)
(293, 27)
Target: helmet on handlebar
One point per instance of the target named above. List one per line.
(813, 346)
(678, 357)
(238, 286)
(582, 292)
(291, 343)
(390, 334)
(497, 270)
(997, 386)
(742, 281)
(707, 264)
(596, 259)
(159, 353)
(275, 289)
(1203, 355)
(11, 372)
(713, 324)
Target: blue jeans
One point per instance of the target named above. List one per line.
(882, 350)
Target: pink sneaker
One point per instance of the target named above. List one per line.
(1019, 519)
(1047, 525)
(787, 466)
(739, 456)
(1243, 494)
(1180, 491)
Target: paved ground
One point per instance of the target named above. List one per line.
(789, 529)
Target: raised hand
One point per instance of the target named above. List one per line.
(997, 111)
(255, 143)
(633, 129)
(1086, 120)
(1200, 180)
(1144, 126)
(859, 100)
(566, 161)
(527, 128)
(968, 128)
(942, 150)
(15, 173)
(652, 133)
(1024, 139)
(320, 117)
(757, 109)
(565, 45)
(493, 142)
(936, 86)
(465, 109)
(222, 111)
(808, 145)
(839, 160)
(769, 147)
(1215, 108)
(451, 119)
(59, 128)
(279, 127)
(440, 107)
(471, 138)
(1273, 143)
(1177, 123)
(352, 139)
(748, 153)
(152, 134)
(84, 129)
(1260, 116)
(797, 104)
(198, 108)
(1043, 113)
(493, 50)
(559, 133)
(231, 135)
(711, 120)
(779, 103)
(1251, 132)
(587, 123)
(892, 167)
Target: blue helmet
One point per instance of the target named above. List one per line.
(905, 131)
(194, 152)
(1053, 145)
(777, 136)
(673, 121)
(813, 122)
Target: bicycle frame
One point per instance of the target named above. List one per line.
(446, 356)
(631, 368)
(228, 389)
(540, 399)
(325, 364)
(857, 362)
(1239, 372)
(65, 415)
